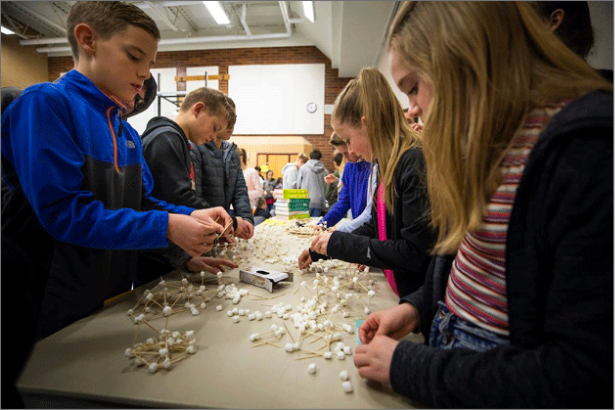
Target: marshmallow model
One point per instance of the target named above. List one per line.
(313, 326)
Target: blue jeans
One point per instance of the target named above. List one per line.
(449, 331)
(315, 212)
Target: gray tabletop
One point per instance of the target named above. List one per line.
(86, 361)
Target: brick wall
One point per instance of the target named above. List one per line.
(224, 58)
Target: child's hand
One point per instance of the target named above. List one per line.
(374, 360)
(417, 127)
(211, 265)
(210, 215)
(190, 234)
(395, 322)
(329, 179)
(245, 230)
(320, 243)
(304, 259)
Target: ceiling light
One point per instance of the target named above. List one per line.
(6, 30)
(308, 10)
(217, 12)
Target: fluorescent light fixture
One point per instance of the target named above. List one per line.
(217, 12)
(6, 30)
(308, 10)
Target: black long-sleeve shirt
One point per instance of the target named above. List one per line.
(409, 236)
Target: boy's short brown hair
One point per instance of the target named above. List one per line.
(302, 157)
(215, 102)
(107, 18)
(260, 201)
(232, 114)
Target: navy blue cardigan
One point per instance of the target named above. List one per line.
(559, 282)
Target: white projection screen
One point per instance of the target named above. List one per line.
(273, 99)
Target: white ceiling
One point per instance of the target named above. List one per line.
(350, 33)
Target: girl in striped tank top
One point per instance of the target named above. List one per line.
(517, 307)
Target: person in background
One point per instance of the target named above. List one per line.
(312, 177)
(143, 98)
(260, 175)
(398, 237)
(353, 192)
(279, 183)
(251, 176)
(167, 145)
(571, 22)
(268, 187)
(517, 308)
(291, 171)
(218, 168)
(332, 180)
(261, 213)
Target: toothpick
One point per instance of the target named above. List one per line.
(288, 331)
(311, 351)
(152, 327)
(309, 357)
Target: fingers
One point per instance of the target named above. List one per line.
(314, 242)
(304, 259)
(225, 262)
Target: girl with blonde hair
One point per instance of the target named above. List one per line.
(369, 118)
(517, 308)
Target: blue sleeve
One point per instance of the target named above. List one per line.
(40, 140)
(342, 205)
(366, 215)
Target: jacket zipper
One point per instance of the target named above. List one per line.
(114, 139)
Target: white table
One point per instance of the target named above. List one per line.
(84, 364)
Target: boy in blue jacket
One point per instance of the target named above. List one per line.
(80, 204)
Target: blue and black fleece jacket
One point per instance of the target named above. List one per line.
(80, 194)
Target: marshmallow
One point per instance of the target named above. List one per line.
(344, 375)
(347, 387)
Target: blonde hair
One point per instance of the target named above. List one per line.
(370, 96)
(215, 102)
(302, 157)
(494, 63)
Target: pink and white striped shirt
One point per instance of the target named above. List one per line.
(476, 289)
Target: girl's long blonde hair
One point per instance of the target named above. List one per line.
(370, 96)
(490, 64)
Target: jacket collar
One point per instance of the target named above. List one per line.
(84, 87)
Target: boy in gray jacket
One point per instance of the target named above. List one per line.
(312, 177)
